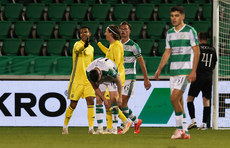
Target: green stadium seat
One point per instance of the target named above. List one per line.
(146, 46)
(122, 11)
(20, 65)
(201, 26)
(93, 25)
(156, 2)
(24, 2)
(134, 2)
(152, 64)
(136, 29)
(11, 46)
(207, 12)
(5, 27)
(23, 29)
(43, 65)
(78, 11)
(33, 47)
(4, 2)
(13, 11)
(56, 11)
(112, 2)
(34, 11)
(161, 46)
(46, 1)
(67, 29)
(45, 29)
(63, 66)
(69, 2)
(99, 11)
(97, 50)
(55, 46)
(105, 42)
(164, 11)
(178, 2)
(90, 2)
(71, 44)
(155, 29)
(4, 63)
(144, 12)
(191, 11)
(201, 2)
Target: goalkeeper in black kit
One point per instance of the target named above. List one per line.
(203, 81)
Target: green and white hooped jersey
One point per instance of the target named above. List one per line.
(181, 43)
(108, 68)
(131, 52)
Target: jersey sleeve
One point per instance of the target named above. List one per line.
(113, 73)
(102, 47)
(167, 42)
(193, 37)
(137, 51)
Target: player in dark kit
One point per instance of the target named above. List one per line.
(203, 81)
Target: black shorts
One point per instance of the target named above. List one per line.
(203, 84)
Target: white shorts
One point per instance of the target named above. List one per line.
(128, 88)
(112, 86)
(178, 82)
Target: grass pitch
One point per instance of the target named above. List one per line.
(51, 137)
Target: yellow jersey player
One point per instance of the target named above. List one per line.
(79, 86)
(115, 52)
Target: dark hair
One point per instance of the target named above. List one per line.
(115, 32)
(178, 8)
(203, 36)
(126, 23)
(94, 75)
(83, 27)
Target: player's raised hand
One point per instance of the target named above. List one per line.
(86, 43)
(96, 38)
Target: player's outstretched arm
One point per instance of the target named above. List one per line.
(164, 60)
(102, 47)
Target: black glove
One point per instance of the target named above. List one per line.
(96, 38)
(86, 43)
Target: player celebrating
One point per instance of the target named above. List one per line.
(182, 46)
(103, 73)
(79, 86)
(203, 82)
(132, 52)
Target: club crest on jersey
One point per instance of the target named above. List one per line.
(182, 36)
(72, 95)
